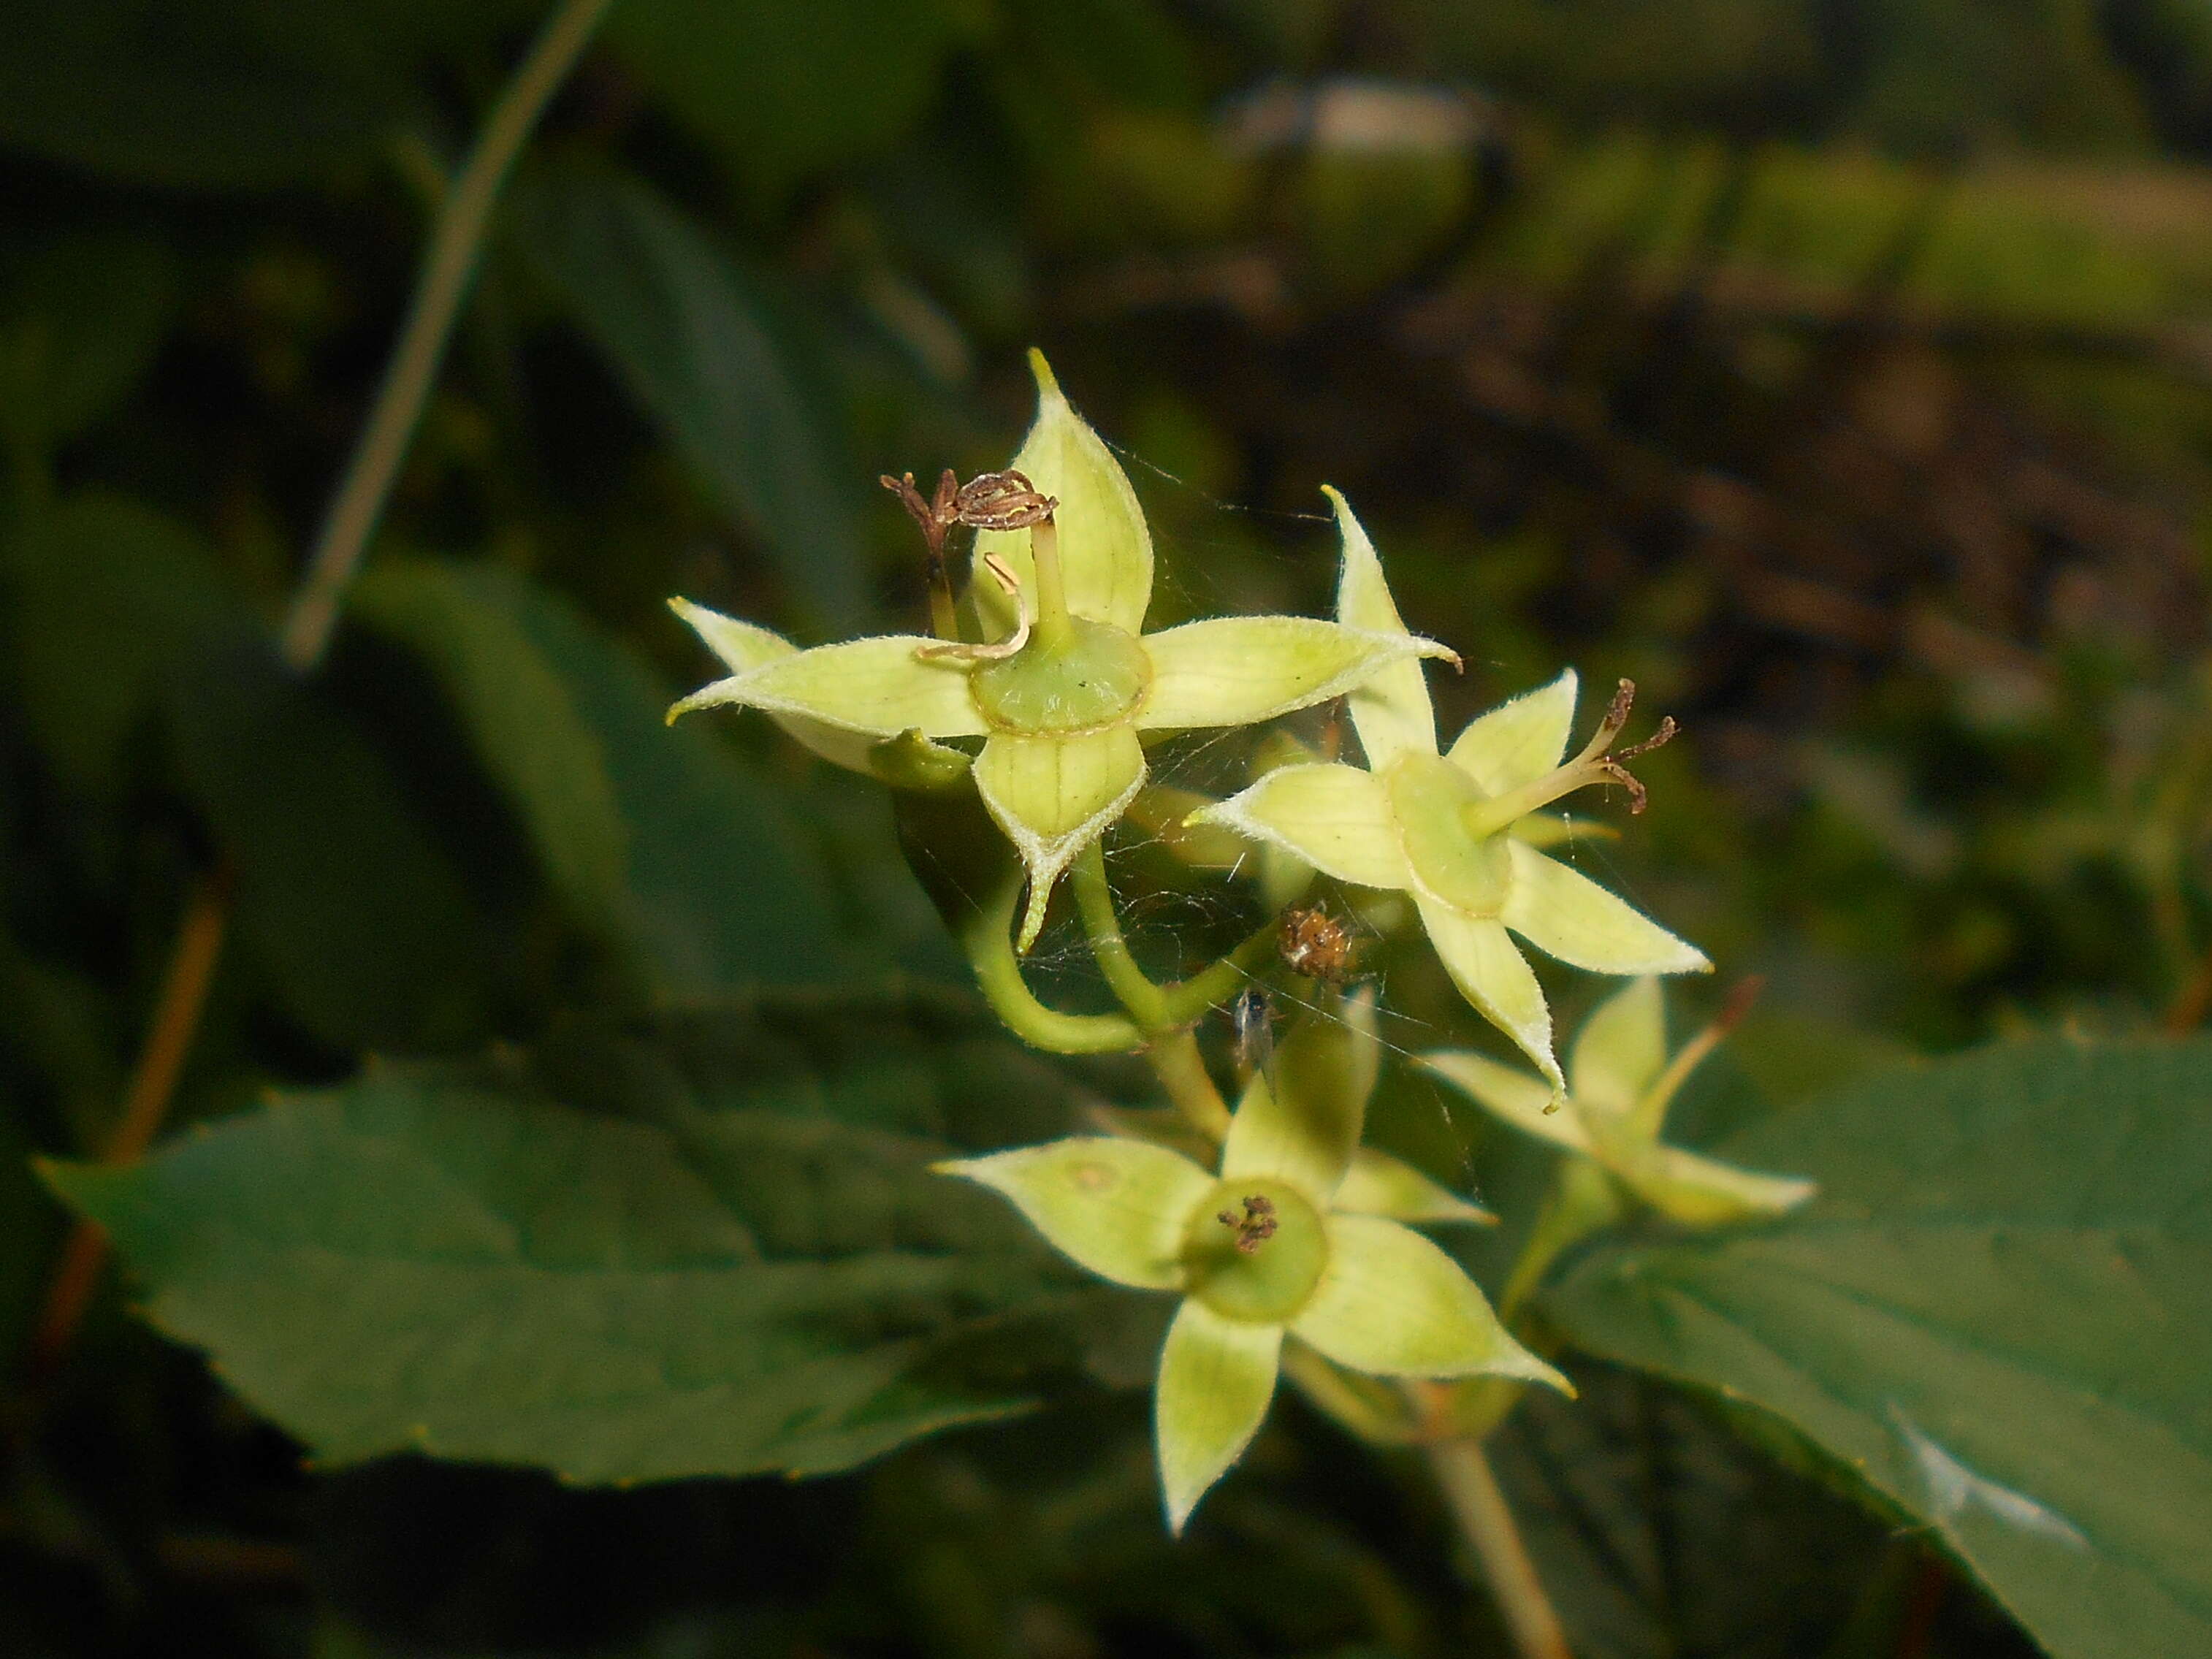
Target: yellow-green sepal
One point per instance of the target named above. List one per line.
(1518, 742)
(878, 688)
(1390, 710)
(1054, 796)
(1237, 671)
(1300, 1120)
(1621, 1051)
(1564, 914)
(1121, 1208)
(1105, 548)
(1379, 1184)
(1216, 1378)
(1337, 818)
(915, 762)
(1392, 1304)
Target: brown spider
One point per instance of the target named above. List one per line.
(1314, 942)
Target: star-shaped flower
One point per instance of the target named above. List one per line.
(1620, 1086)
(1455, 830)
(1293, 1239)
(1070, 683)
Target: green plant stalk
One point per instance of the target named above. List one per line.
(313, 614)
(455, 246)
(1471, 1489)
(987, 940)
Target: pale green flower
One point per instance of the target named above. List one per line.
(1455, 829)
(1064, 712)
(1299, 1237)
(1619, 1085)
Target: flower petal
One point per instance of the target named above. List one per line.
(1518, 742)
(1565, 914)
(1217, 1377)
(1105, 548)
(1379, 1184)
(1521, 1100)
(1704, 1192)
(1054, 797)
(1236, 671)
(1336, 818)
(1621, 1050)
(1118, 1208)
(1391, 711)
(1301, 1118)
(743, 646)
(1491, 973)
(875, 686)
(1391, 1304)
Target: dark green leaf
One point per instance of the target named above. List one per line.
(108, 596)
(78, 329)
(782, 91)
(414, 1262)
(1659, 1533)
(237, 94)
(699, 345)
(370, 936)
(657, 837)
(1998, 1312)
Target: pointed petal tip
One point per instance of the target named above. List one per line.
(1047, 383)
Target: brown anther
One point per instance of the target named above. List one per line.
(935, 517)
(1002, 500)
(1254, 1227)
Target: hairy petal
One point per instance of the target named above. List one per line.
(1054, 796)
(1105, 548)
(1391, 711)
(1621, 1050)
(876, 687)
(743, 646)
(1236, 670)
(1514, 1097)
(1391, 1304)
(1379, 1184)
(1337, 818)
(1116, 1206)
(1217, 1377)
(1491, 974)
(1518, 742)
(1565, 914)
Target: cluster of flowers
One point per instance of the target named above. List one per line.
(1296, 1234)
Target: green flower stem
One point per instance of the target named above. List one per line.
(1361, 1405)
(1054, 625)
(1192, 999)
(986, 939)
(452, 260)
(1463, 1473)
(1583, 1199)
(1181, 1071)
(1101, 928)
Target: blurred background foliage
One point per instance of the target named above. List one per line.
(1840, 372)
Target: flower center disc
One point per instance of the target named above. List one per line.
(1095, 677)
(1262, 1263)
(1428, 797)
